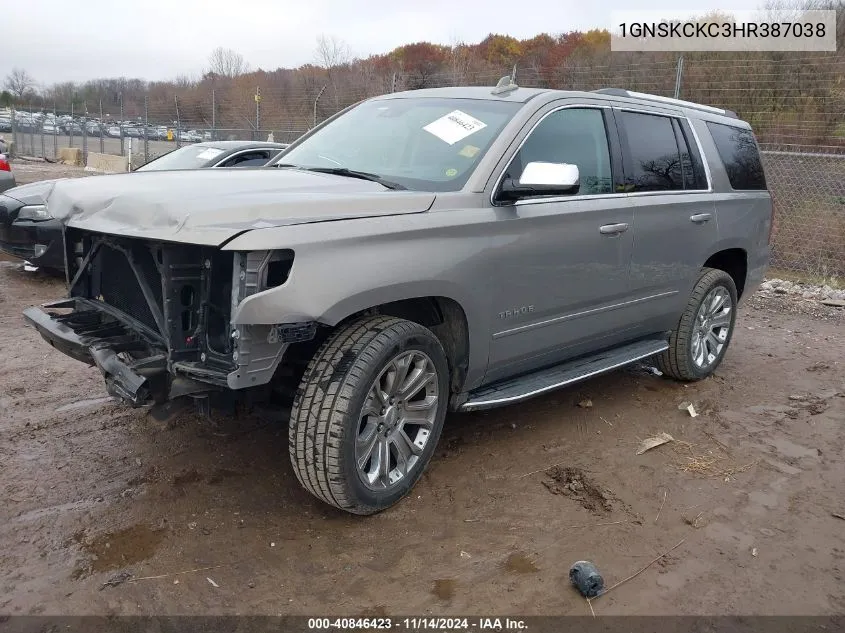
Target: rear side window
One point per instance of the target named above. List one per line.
(740, 156)
(662, 154)
(655, 160)
(691, 163)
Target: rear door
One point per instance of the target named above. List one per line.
(668, 185)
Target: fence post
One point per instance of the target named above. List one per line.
(213, 116)
(85, 138)
(178, 123)
(72, 123)
(679, 77)
(31, 132)
(43, 148)
(56, 132)
(102, 131)
(120, 127)
(14, 131)
(257, 134)
(316, 101)
(146, 128)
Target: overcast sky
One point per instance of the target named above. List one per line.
(57, 40)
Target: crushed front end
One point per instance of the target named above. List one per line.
(154, 316)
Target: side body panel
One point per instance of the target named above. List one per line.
(744, 218)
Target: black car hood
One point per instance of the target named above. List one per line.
(211, 206)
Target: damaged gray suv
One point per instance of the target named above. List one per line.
(420, 252)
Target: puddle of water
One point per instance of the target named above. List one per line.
(444, 588)
(519, 563)
(113, 550)
(82, 404)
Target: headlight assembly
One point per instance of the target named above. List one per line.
(35, 213)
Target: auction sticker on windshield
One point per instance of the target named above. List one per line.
(454, 126)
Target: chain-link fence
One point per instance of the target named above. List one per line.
(808, 188)
(796, 105)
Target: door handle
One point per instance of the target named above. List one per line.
(613, 229)
(700, 218)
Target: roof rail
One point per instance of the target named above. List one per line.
(619, 92)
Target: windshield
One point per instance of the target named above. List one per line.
(190, 157)
(422, 144)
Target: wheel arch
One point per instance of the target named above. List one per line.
(445, 316)
(732, 260)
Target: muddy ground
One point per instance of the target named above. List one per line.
(753, 489)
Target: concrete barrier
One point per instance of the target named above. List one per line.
(70, 156)
(106, 163)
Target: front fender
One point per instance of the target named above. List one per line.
(346, 267)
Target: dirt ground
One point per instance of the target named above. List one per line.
(208, 518)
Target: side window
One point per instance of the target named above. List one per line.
(655, 160)
(576, 136)
(738, 151)
(248, 159)
(686, 140)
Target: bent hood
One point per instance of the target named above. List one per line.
(210, 206)
(34, 192)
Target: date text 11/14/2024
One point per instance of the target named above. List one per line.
(417, 624)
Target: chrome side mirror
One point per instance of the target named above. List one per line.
(542, 179)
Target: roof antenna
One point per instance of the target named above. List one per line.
(506, 84)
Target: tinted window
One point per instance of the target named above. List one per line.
(698, 178)
(576, 136)
(739, 154)
(248, 159)
(655, 161)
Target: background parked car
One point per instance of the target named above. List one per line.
(38, 238)
(7, 178)
(217, 154)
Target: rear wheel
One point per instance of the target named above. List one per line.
(368, 413)
(699, 342)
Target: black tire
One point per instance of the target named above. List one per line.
(328, 405)
(677, 361)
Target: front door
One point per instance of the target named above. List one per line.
(562, 263)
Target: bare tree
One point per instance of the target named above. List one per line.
(224, 62)
(19, 82)
(331, 52)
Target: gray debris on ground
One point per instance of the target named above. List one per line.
(822, 293)
(118, 579)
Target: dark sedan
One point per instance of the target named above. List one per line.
(28, 231)
(217, 154)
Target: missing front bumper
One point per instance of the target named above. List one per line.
(133, 365)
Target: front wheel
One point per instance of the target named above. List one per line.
(368, 413)
(699, 342)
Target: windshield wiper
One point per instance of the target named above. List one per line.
(349, 173)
